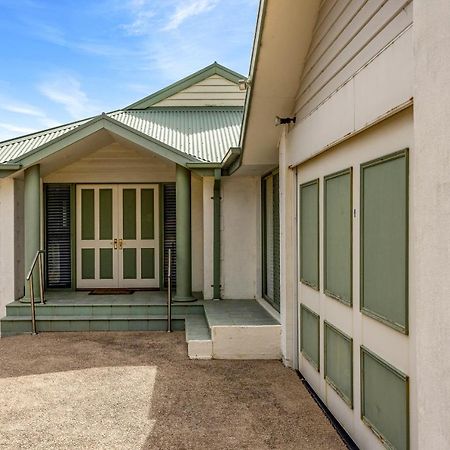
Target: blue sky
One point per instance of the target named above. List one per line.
(65, 60)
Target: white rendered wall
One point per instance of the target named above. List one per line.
(430, 228)
(6, 243)
(391, 135)
(240, 236)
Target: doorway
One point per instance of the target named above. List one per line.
(117, 235)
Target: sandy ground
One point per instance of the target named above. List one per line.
(140, 391)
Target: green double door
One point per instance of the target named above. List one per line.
(117, 236)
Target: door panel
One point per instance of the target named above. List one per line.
(117, 236)
(96, 228)
(139, 243)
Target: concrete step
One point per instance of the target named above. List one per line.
(16, 309)
(14, 325)
(198, 337)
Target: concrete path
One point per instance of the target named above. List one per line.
(140, 391)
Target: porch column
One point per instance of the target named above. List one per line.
(32, 229)
(184, 260)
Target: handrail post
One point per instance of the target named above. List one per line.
(29, 278)
(41, 276)
(169, 292)
(33, 308)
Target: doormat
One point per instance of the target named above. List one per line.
(111, 291)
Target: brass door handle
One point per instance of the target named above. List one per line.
(115, 244)
(120, 244)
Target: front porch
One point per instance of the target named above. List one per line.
(225, 329)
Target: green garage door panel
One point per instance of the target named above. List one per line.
(384, 400)
(339, 362)
(309, 233)
(309, 336)
(384, 240)
(338, 236)
(147, 214)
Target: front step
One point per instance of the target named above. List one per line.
(198, 337)
(13, 325)
(123, 309)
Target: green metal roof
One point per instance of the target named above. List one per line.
(204, 134)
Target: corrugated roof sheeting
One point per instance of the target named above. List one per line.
(206, 133)
(15, 148)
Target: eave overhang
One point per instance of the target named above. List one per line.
(282, 39)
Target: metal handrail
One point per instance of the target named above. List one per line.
(169, 292)
(37, 259)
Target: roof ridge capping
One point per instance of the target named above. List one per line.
(213, 69)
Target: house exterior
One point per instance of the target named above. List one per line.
(361, 180)
(335, 222)
(112, 178)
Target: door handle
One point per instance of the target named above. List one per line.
(120, 244)
(115, 244)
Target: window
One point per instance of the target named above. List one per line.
(271, 239)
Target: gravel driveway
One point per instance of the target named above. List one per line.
(140, 391)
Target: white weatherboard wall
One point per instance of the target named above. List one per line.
(430, 237)
(240, 228)
(115, 163)
(213, 91)
(394, 134)
(378, 86)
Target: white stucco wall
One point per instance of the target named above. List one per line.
(240, 236)
(11, 242)
(430, 237)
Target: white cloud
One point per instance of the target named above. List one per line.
(65, 90)
(185, 10)
(16, 128)
(11, 130)
(22, 108)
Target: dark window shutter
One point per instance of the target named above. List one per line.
(170, 229)
(58, 236)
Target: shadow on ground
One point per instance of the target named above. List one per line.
(147, 377)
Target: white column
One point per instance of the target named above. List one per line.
(430, 225)
(288, 246)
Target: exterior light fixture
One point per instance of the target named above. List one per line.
(244, 84)
(284, 120)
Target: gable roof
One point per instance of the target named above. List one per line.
(213, 69)
(203, 134)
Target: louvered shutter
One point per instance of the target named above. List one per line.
(58, 236)
(170, 229)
